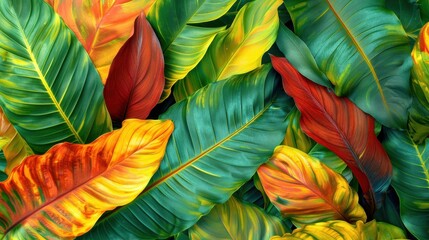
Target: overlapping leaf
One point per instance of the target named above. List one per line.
(237, 50)
(49, 89)
(307, 191)
(237, 220)
(343, 128)
(410, 180)
(101, 26)
(353, 55)
(183, 43)
(409, 14)
(15, 149)
(294, 136)
(223, 133)
(62, 193)
(136, 78)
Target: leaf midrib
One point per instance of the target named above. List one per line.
(361, 52)
(44, 82)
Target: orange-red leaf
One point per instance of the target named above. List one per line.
(101, 26)
(342, 127)
(62, 193)
(136, 77)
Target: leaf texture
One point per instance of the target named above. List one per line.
(136, 77)
(223, 133)
(183, 43)
(307, 191)
(342, 127)
(237, 50)
(410, 180)
(62, 193)
(49, 89)
(353, 55)
(101, 26)
(294, 136)
(236, 220)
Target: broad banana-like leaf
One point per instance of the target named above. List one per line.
(237, 50)
(337, 229)
(307, 191)
(410, 180)
(343, 128)
(15, 149)
(101, 26)
(297, 52)
(419, 112)
(136, 78)
(223, 133)
(353, 55)
(183, 43)
(294, 136)
(409, 14)
(62, 193)
(237, 220)
(49, 89)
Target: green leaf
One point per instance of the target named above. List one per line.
(49, 88)
(183, 44)
(3, 164)
(237, 220)
(424, 10)
(295, 137)
(222, 134)
(353, 55)
(410, 180)
(298, 54)
(237, 50)
(249, 193)
(409, 13)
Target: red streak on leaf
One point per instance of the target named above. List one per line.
(342, 127)
(136, 77)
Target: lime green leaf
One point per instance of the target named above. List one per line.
(410, 180)
(222, 134)
(379, 230)
(295, 137)
(49, 89)
(183, 44)
(353, 55)
(237, 220)
(237, 50)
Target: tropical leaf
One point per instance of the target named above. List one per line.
(343, 128)
(419, 112)
(249, 193)
(410, 180)
(294, 136)
(336, 229)
(49, 89)
(223, 133)
(136, 78)
(237, 220)
(331, 160)
(14, 148)
(307, 191)
(62, 193)
(101, 26)
(237, 50)
(424, 10)
(353, 55)
(183, 43)
(409, 13)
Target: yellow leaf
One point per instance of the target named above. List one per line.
(62, 193)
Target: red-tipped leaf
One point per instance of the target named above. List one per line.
(136, 77)
(342, 127)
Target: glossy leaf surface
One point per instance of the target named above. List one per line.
(410, 180)
(409, 14)
(307, 191)
(136, 78)
(353, 55)
(183, 43)
(49, 89)
(342, 127)
(237, 220)
(62, 193)
(101, 26)
(237, 50)
(294, 136)
(223, 133)
(14, 148)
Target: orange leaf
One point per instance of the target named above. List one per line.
(62, 193)
(101, 26)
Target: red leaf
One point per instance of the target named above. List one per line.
(342, 127)
(136, 77)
